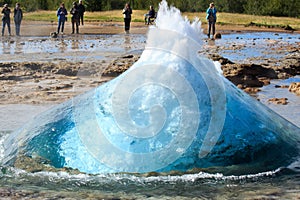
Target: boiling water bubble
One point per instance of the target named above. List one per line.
(152, 115)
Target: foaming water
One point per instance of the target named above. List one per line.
(138, 186)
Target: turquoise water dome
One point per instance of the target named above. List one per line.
(172, 110)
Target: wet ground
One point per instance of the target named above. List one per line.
(76, 64)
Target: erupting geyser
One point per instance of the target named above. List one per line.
(172, 110)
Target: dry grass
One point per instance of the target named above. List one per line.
(138, 16)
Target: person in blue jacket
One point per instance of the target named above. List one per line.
(211, 16)
(61, 14)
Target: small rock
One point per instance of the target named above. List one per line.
(217, 36)
(295, 88)
(240, 86)
(281, 101)
(251, 90)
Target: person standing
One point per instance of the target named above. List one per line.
(81, 10)
(127, 11)
(75, 17)
(211, 16)
(61, 14)
(6, 19)
(18, 16)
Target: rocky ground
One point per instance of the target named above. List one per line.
(250, 77)
(46, 82)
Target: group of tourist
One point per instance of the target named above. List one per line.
(77, 12)
(211, 16)
(18, 16)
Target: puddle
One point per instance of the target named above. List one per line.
(70, 48)
(291, 111)
(255, 47)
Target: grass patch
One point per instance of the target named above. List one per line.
(138, 16)
(41, 16)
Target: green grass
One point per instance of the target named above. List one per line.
(138, 16)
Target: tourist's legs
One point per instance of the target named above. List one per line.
(148, 22)
(127, 23)
(213, 28)
(146, 18)
(81, 18)
(18, 26)
(209, 28)
(3, 27)
(8, 26)
(62, 26)
(59, 24)
(73, 28)
(77, 26)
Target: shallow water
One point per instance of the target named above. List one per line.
(69, 48)
(291, 111)
(255, 47)
(278, 184)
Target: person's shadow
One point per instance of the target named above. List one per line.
(62, 46)
(75, 44)
(19, 46)
(211, 42)
(6, 46)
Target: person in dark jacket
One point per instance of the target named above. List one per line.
(61, 14)
(81, 10)
(6, 19)
(211, 16)
(18, 16)
(75, 17)
(127, 11)
(150, 15)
